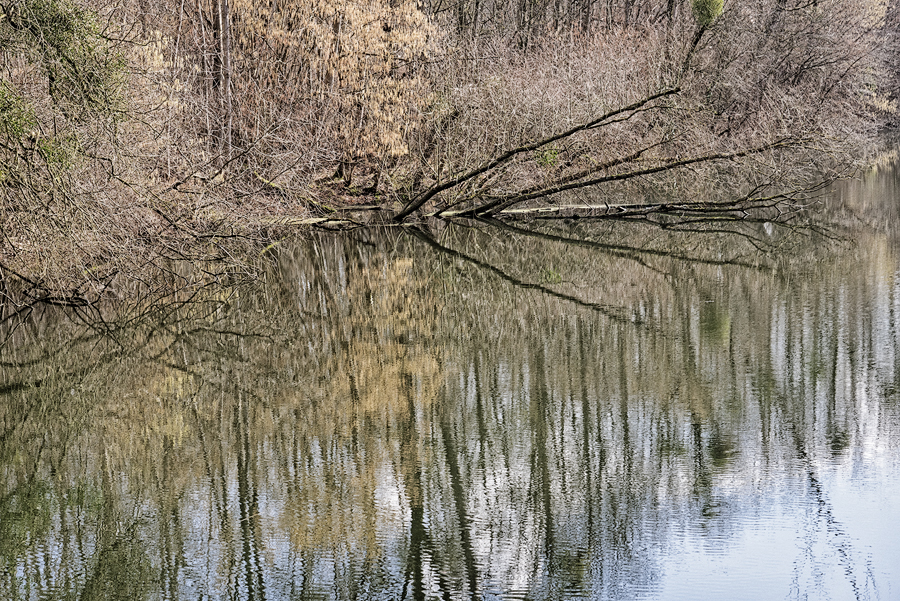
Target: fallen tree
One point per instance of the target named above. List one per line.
(567, 164)
(481, 200)
(749, 109)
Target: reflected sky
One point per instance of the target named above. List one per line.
(475, 410)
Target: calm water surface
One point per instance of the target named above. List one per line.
(567, 410)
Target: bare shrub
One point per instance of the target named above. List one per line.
(61, 99)
(89, 116)
(766, 95)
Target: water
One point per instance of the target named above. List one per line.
(568, 410)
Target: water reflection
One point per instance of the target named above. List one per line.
(567, 410)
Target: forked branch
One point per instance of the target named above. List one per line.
(420, 199)
(495, 204)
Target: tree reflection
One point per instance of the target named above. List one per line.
(458, 412)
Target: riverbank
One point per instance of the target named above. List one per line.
(126, 148)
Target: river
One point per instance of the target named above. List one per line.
(554, 410)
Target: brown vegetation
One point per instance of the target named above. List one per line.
(134, 135)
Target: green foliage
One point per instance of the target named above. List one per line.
(16, 115)
(547, 157)
(707, 11)
(550, 276)
(58, 152)
(715, 324)
(121, 571)
(84, 75)
(63, 79)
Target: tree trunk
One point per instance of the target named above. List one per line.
(224, 76)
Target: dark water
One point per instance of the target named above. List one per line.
(568, 410)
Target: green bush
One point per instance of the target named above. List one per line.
(707, 11)
(16, 116)
(85, 76)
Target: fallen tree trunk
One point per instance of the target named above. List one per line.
(735, 208)
(613, 116)
(475, 193)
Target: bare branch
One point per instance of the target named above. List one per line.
(427, 195)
